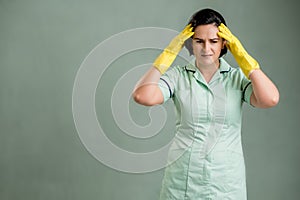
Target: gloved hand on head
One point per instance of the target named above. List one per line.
(166, 58)
(243, 59)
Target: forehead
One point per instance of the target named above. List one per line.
(206, 31)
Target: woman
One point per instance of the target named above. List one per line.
(206, 158)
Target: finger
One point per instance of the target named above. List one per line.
(224, 29)
(225, 36)
(191, 34)
(188, 33)
(187, 28)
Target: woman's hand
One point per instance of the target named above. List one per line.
(244, 60)
(166, 58)
(146, 91)
(265, 94)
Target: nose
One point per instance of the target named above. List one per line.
(206, 46)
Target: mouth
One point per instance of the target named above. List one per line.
(206, 55)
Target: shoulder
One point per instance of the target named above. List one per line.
(233, 77)
(230, 71)
(177, 71)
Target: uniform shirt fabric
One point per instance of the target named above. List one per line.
(206, 159)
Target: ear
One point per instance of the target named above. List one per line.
(224, 43)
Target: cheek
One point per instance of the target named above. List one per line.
(196, 47)
(219, 47)
(197, 50)
(219, 50)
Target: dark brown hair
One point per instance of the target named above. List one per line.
(204, 17)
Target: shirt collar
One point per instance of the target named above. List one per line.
(224, 66)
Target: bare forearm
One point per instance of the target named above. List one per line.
(265, 93)
(146, 91)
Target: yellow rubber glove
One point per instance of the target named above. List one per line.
(244, 60)
(166, 58)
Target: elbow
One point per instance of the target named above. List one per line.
(271, 102)
(274, 101)
(137, 97)
(142, 99)
(148, 96)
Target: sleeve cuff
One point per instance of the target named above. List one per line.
(247, 92)
(165, 89)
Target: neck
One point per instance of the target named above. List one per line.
(208, 70)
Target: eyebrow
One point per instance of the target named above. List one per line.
(209, 39)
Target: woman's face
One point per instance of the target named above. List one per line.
(207, 45)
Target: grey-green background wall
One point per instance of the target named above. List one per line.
(42, 45)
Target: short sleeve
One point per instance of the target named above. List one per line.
(247, 90)
(167, 83)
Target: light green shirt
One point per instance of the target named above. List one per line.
(206, 157)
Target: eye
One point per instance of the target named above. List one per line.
(199, 41)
